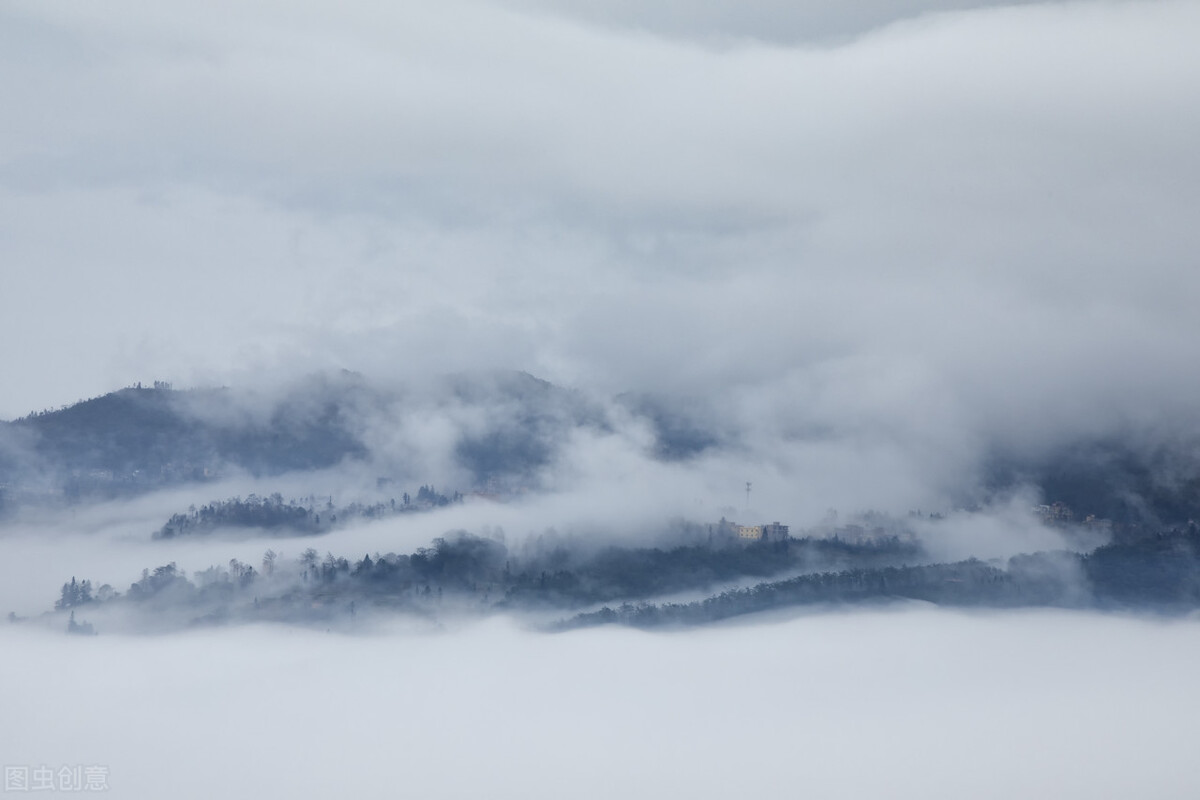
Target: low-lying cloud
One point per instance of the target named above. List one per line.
(860, 256)
(931, 701)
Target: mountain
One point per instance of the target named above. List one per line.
(140, 438)
(500, 430)
(1133, 484)
(526, 420)
(503, 425)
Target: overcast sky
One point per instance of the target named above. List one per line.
(978, 215)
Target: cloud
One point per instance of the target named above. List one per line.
(997, 198)
(863, 246)
(932, 700)
(729, 24)
(867, 247)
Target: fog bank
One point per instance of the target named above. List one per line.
(900, 703)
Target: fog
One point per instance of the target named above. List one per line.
(879, 244)
(794, 262)
(601, 490)
(905, 703)
(980, 217)
(871, 247)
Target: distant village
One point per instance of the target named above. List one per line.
(874, 527)
(1060, 514)
(869, 528)
(768, 532)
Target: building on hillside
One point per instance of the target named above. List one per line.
(775, 532)
(771, 532)
(1056, 514)
(750, 533)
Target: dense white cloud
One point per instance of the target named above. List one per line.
(991, 197)
(913, 703)
(876, 253)
(871, 241)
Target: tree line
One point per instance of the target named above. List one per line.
(308, 515)
(1159, 573)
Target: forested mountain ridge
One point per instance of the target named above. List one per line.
(466, 574)
(141, 438)
(306, 516)
(504, 429)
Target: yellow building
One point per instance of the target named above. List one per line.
(750, 532)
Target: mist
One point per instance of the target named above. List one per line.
(533, 303)
(913, 703)
(978, 217)
(867, 261)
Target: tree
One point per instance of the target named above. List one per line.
(309, 561)
(75, 593)
(80, 628)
